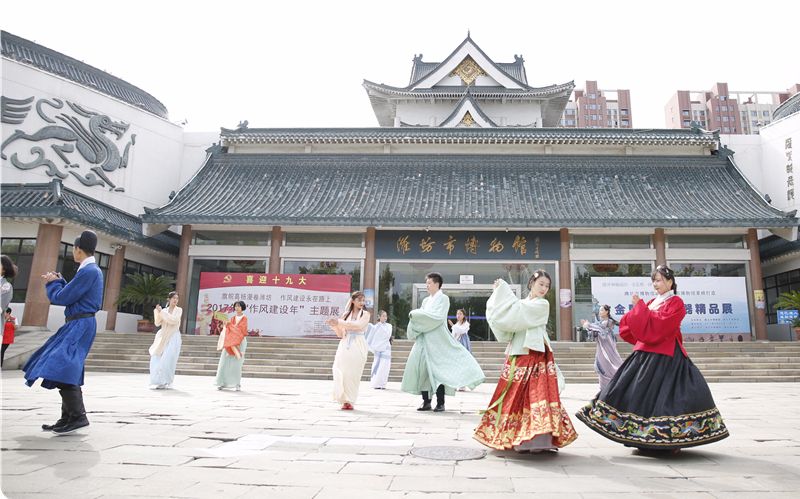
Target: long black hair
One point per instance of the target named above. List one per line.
(353, 296)
(612, 320)
(668, 274)
(9, 269)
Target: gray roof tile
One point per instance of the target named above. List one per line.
(789, 107)
(33, 54)
(469, 191)
(499, 135)
(53, 200)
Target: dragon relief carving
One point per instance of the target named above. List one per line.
(94, 136)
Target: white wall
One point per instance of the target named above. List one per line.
(126, 323)
(774, 160)
(747, 157)
(157, 154)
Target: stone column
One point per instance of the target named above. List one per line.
(565, 281)
(45, 259)
(113, 287)
(660, 242)
(275, 250)
(182, 276)
(757, 284)
(369, 263)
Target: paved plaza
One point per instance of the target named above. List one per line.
(286, 439)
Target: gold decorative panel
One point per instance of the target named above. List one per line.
(467, 120)
(468, 71)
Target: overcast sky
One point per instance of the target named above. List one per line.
(301, 64)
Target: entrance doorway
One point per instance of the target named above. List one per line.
(472, 298)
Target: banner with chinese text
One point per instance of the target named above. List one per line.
(716, 307)
(277, 304)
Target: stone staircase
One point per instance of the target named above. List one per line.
(312, 358)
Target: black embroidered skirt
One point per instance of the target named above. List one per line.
(656, 402)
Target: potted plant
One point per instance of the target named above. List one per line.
(146, 290)
(790, 300)
(796, 326)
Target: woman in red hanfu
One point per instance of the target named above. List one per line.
(525, 413)
(658, 400)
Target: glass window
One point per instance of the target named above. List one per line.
(775, 285)
(705, 241)
(754, 113)
(765, 114)
(685, 113)
(21, 253)
(353, 268)
(625, 122)
(708, 269)
(231, 238)
(131, 267)
(337, 239)
(583, 306)
(397, 280)
(593, 241)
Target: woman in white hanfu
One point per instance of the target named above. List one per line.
(166, 347)
(379, 342)
(351, 355)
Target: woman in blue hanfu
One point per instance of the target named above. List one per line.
(606, 359)
(166, 347)
(60, 361)
(379, 342)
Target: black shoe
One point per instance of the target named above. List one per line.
(76, 424)
(439, 408)
(49, 427)
(426, 406)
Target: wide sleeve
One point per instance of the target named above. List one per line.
(60, 292)
(357, 325)
(425, 320)
(235, 333)
(157, 317)
(652, 326)
(507, 314)
(170, 319)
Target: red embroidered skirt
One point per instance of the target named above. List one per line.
(526, 405)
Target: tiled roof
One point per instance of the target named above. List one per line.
(53, 200)
(499, 135)
(469, 191)
(483, 92)
(774, 246)
(420, 70)
(460, 109)
(33, 54)
(789, 107)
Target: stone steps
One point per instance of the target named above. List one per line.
(311, 358)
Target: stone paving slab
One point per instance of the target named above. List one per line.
(287, 439)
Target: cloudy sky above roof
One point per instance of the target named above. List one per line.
(301, 64)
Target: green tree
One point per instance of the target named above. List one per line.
(788, 301)
(146, 290)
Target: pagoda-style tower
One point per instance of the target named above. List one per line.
(468, 89)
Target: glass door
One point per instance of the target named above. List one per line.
(472, 299)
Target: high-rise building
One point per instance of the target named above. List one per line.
(730, 112)
(594, 108)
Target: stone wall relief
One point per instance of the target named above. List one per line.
(78, 140)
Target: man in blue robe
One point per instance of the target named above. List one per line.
(60, 361)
